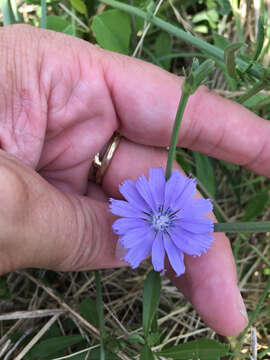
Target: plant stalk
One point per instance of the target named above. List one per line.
(178, 119)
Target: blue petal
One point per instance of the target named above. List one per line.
(189, 243)
(144, 190)
(130, 193)
(158, 252)
(123, 225)
(173, 188)
(157, 185)
(187, 194)
(197, 208)
(123, 208)
(197, 226)
(176, 257)
(140, 252)
(136, 236)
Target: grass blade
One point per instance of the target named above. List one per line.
(8, 16)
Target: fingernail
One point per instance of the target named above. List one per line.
(120, 251)
(241, 306)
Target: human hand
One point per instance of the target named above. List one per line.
(61, 100)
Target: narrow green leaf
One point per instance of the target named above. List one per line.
(80, 6)
(136, 338)
(163, 47)
(259, 40)
(256, 206)
(229, 58)
(260, 226)
(205, 172)
(151, 296)
(203, 349)
(49, 347)
(88, 310)
(146, 353)
(8, 16)
(112, 30)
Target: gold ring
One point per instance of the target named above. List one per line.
(102, 159)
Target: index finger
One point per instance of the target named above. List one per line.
(146, 99)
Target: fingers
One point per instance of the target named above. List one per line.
(146, 99)
(210, 281)
(43, 227)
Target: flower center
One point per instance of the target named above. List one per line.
(161, 222)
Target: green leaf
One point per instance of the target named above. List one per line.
(220, 41)
(256, 206)
(146, 353)
(5, 294)
(50, 347)
(88, 310)
(203, 349)
(57, 23)
(136, 338)
(112, 30)
(8, 16)
(151, 296)
(95, 354)
(259, 40)
(229, 166)
(224, 7)
(229, 58)
(153, 338)
(163, 47)
(80, 6)
(205, 172)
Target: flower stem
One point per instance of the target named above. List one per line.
(100, 311)
(262, 226)
(179, 115)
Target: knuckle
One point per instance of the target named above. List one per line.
(86, 239)
(14, 193)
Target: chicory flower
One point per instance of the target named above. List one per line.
(161, 217)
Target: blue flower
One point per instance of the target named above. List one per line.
(162, 216)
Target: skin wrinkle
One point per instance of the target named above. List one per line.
(259, 155)
(87, 227)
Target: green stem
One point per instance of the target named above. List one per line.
(256, 88)
(209, 49)
(263, 226)
(175, 132)
(100, 311)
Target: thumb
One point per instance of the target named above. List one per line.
(43, 227)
